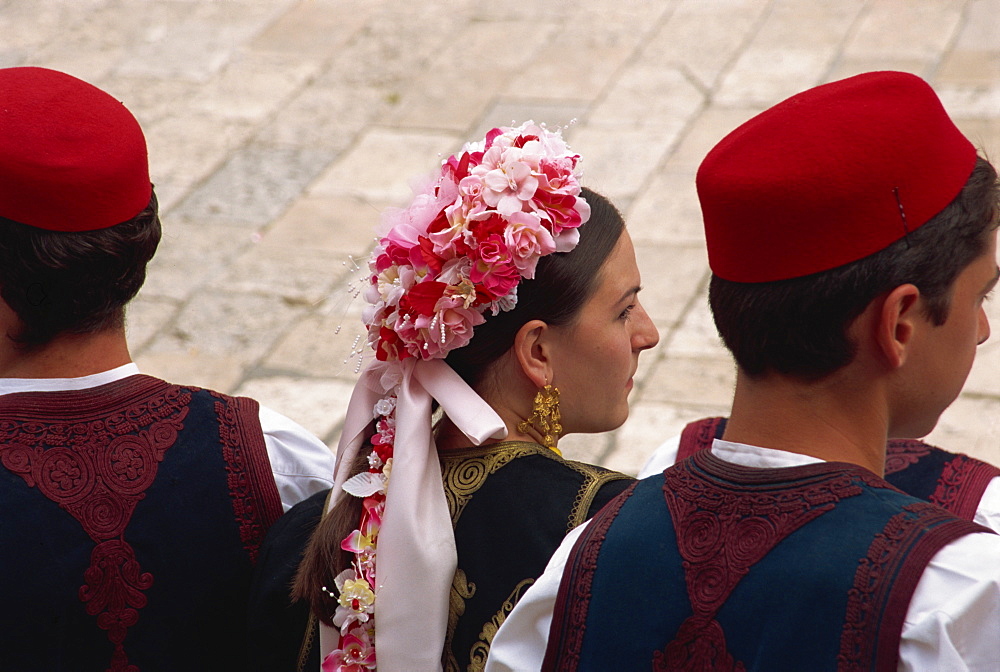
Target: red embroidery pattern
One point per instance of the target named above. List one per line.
(256, 502)
(885, 580)
(698, 639)
(569, 624)
(722, 532)
(961, 485)
(903, 453)
(97, 469)
(949, 487)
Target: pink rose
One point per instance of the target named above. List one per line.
(434, 336)
(565, 211)
(527, 239)
(557, 174)
(493, 270)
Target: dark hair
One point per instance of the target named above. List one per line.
(562, 284)
(79, 282)
(798, 327)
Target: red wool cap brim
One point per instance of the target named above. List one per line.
(72, 158)
(830, 176)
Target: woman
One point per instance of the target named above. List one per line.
(508, 295)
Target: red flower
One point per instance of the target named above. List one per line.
(422, 298)
(390, 346)
(394, 255)
(483, 229)
(456, 168)
(521, 140)
(422, 256)
(493, 270)
(561, 209)
(491, 136)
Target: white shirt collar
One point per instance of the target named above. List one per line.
(11, 385)
(755, 456)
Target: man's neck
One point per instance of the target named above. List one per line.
(835, 419)
(66, 356)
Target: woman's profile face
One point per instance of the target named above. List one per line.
(595, 356)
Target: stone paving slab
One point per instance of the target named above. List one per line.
(279, 129)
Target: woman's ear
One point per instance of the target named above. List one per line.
(532, 351)
(899, 319)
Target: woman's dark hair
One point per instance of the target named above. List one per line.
(562, 284)
(798, 327)
(80, 282)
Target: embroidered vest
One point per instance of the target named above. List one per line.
(131, 517)
(714, 566)
(952, 480)
(511, 503)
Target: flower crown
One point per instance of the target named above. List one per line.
(465, 241)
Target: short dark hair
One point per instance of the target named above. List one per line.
(80, 282)
(562, 284)
(798, 327)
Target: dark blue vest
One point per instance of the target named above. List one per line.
(130, 516)
(713, 566)
(952, 480)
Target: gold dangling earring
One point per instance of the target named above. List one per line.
(545, 417)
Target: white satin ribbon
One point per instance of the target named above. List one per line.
(416, 558)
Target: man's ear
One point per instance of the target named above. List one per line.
(899, 319)
(532, 351)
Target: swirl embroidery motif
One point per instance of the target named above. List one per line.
(903, 453)
(97, 470)
(950, 483)
(464, 474)
(961, 485)
(719, 540)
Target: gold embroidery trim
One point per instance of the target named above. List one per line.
(465, 471)
(308, 641)
(481, 649)
(594, 480)
(461, 590)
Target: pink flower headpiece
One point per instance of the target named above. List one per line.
(463, 244)
(459, 249)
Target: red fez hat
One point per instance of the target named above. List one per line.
(72, 158)
(830, 176)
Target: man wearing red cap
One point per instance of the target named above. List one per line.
(851, 233)
(132, 508)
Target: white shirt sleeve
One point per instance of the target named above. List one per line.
(302, 464)
(520, 642)
(988, 513)
(662, 457)
(953, 619)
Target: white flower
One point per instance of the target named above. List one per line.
(385, 406)
(364, 484)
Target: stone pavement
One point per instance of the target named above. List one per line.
(278, 129)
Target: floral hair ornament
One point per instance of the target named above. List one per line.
(465, 242)
(459, 249)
